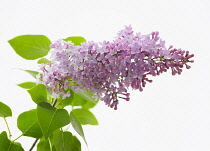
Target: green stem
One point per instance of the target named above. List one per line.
(54, 102)
(10, 135)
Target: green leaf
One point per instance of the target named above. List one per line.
(53, 148)
(77, 126)
(43, 145)
(85, 117)
(31, 47)
(17, 143)
(78, 101)
(77, 40)
(27, 85)
(43, 60)
(89, 104)
(27, 122)
(65, 141)
(51, 118)
(38, 93)
(5, 110)
(7, 145)
(32, 73)
(85, 100)
(86, 95)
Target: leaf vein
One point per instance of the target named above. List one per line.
(51, 121)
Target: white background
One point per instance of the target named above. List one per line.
(171, 114)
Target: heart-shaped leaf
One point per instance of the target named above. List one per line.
(38, 93)
(65, 141)
(85, 117)
(84, 100)
(77, 126)
(51, 118)
(5, 110)
(86, 96)
(43, 60)
(78, 101)
(31, 47)
(89, 104)
(27, 122)
(77, 40)
(27, 85)
(7, 145)
(32, 73)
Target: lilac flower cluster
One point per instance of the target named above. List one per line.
(109, 68)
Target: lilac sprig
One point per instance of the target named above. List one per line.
(108, 69)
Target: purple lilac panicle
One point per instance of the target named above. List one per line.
(109, 68)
